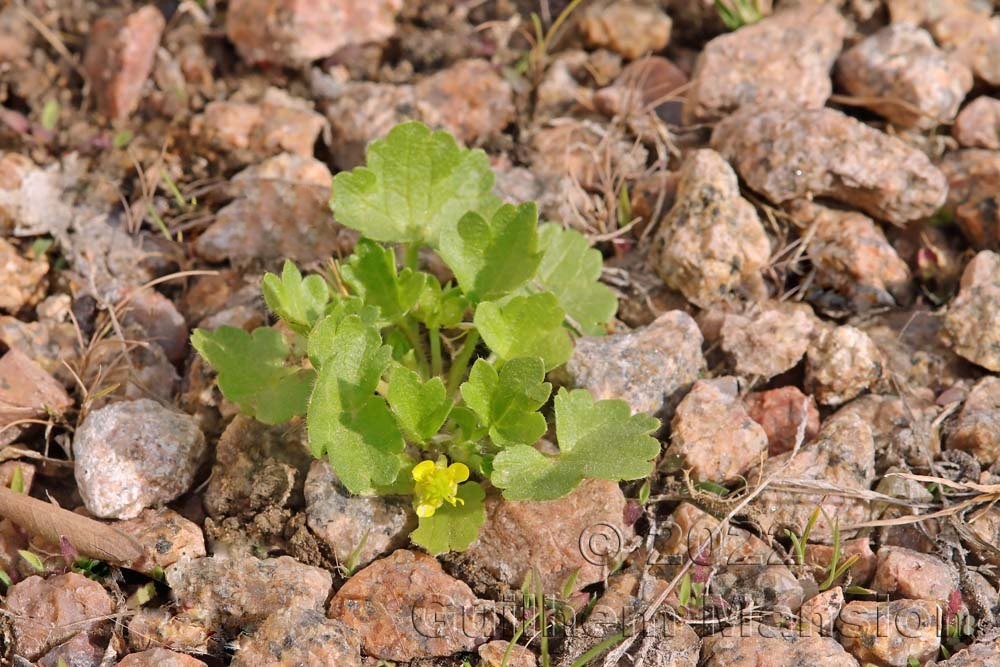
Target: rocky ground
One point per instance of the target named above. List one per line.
(800, 217)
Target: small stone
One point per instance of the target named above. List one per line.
(361, 111)
(26, 392)
(973, 38)
(904, 573)
(902, 427)
(779, 412)
(793, 153)
(853, 259)
(842, 455)
(647, 83)
(119, 57)
(31, 197)
(405, 607)
(626, 27)
(359, 529)
(978, 124)
(495, 654)
(973, 183)
(912, 344)
(233, 593)
(651, 368)
(44, 342)
(293, 33)
(745, 644)
(980, 654)
(299, 636)
(901, 63)
(135, 454)
(712, 435)
(890, 633)
(712, 243)
(782, 59)
(469, 99)
(977, 429)
(522, 537)
(166, 538)
(973, 318)
(769, 339)
(157, 627)
(47, 612)
(158, 317)
(257, 467)
(278, 124)
(20, 279)
(160, 657)
(818, 615)
(820, 558)
(281, 211)
(841, 363)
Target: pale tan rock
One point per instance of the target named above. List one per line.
(977, 429)
(788, 153)
(890, 633)
(904, 573)
(978, 124)
(26, 392)
(362, 111)
(495, 654)
(744, 645)
(841, 363)
(626, 27)
(780, 413)
(159, 657)
(119, 57)
(768, 339)
(404, 607)
(47, 612)
(20, 278)
(651, 367)
(712, 435)
(783, 59)
(973, 318)
(299, 636)
(711, 245)
(901, 62)
(469, 99)
(522, 537)
(293, 33)
(972, 37)
(151, 628)
(973, 181)
(166, 538)
(818, 615)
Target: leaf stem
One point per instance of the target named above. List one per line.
(406, 326)
(412, 256)
(460, 362)
(436, 366)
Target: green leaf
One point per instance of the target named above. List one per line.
(492, 259)
(414, 182)
(32, 560)
(453, 528)
(254, 372)
(17, 480)
(347, 422)
(599, 439)
(438, 307)
(421, 408)
(5, 578)
(50, 114)
(507, 402)
(322, 337)
(296, 301)
(525, 326)
(371, 273)
(571, 270)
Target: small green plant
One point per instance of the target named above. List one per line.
(410, 386)
(836, 569)
(737, 13)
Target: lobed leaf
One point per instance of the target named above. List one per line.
(453, 528)
(525, 326)
(414, 182)
(254, 371)
(371, 274)
(298, 302)
(491, 259)
(507, 401)
(571, 270)
(421, 408)
(347, 422)
(597, 439)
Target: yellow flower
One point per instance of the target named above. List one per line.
(437, 483)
